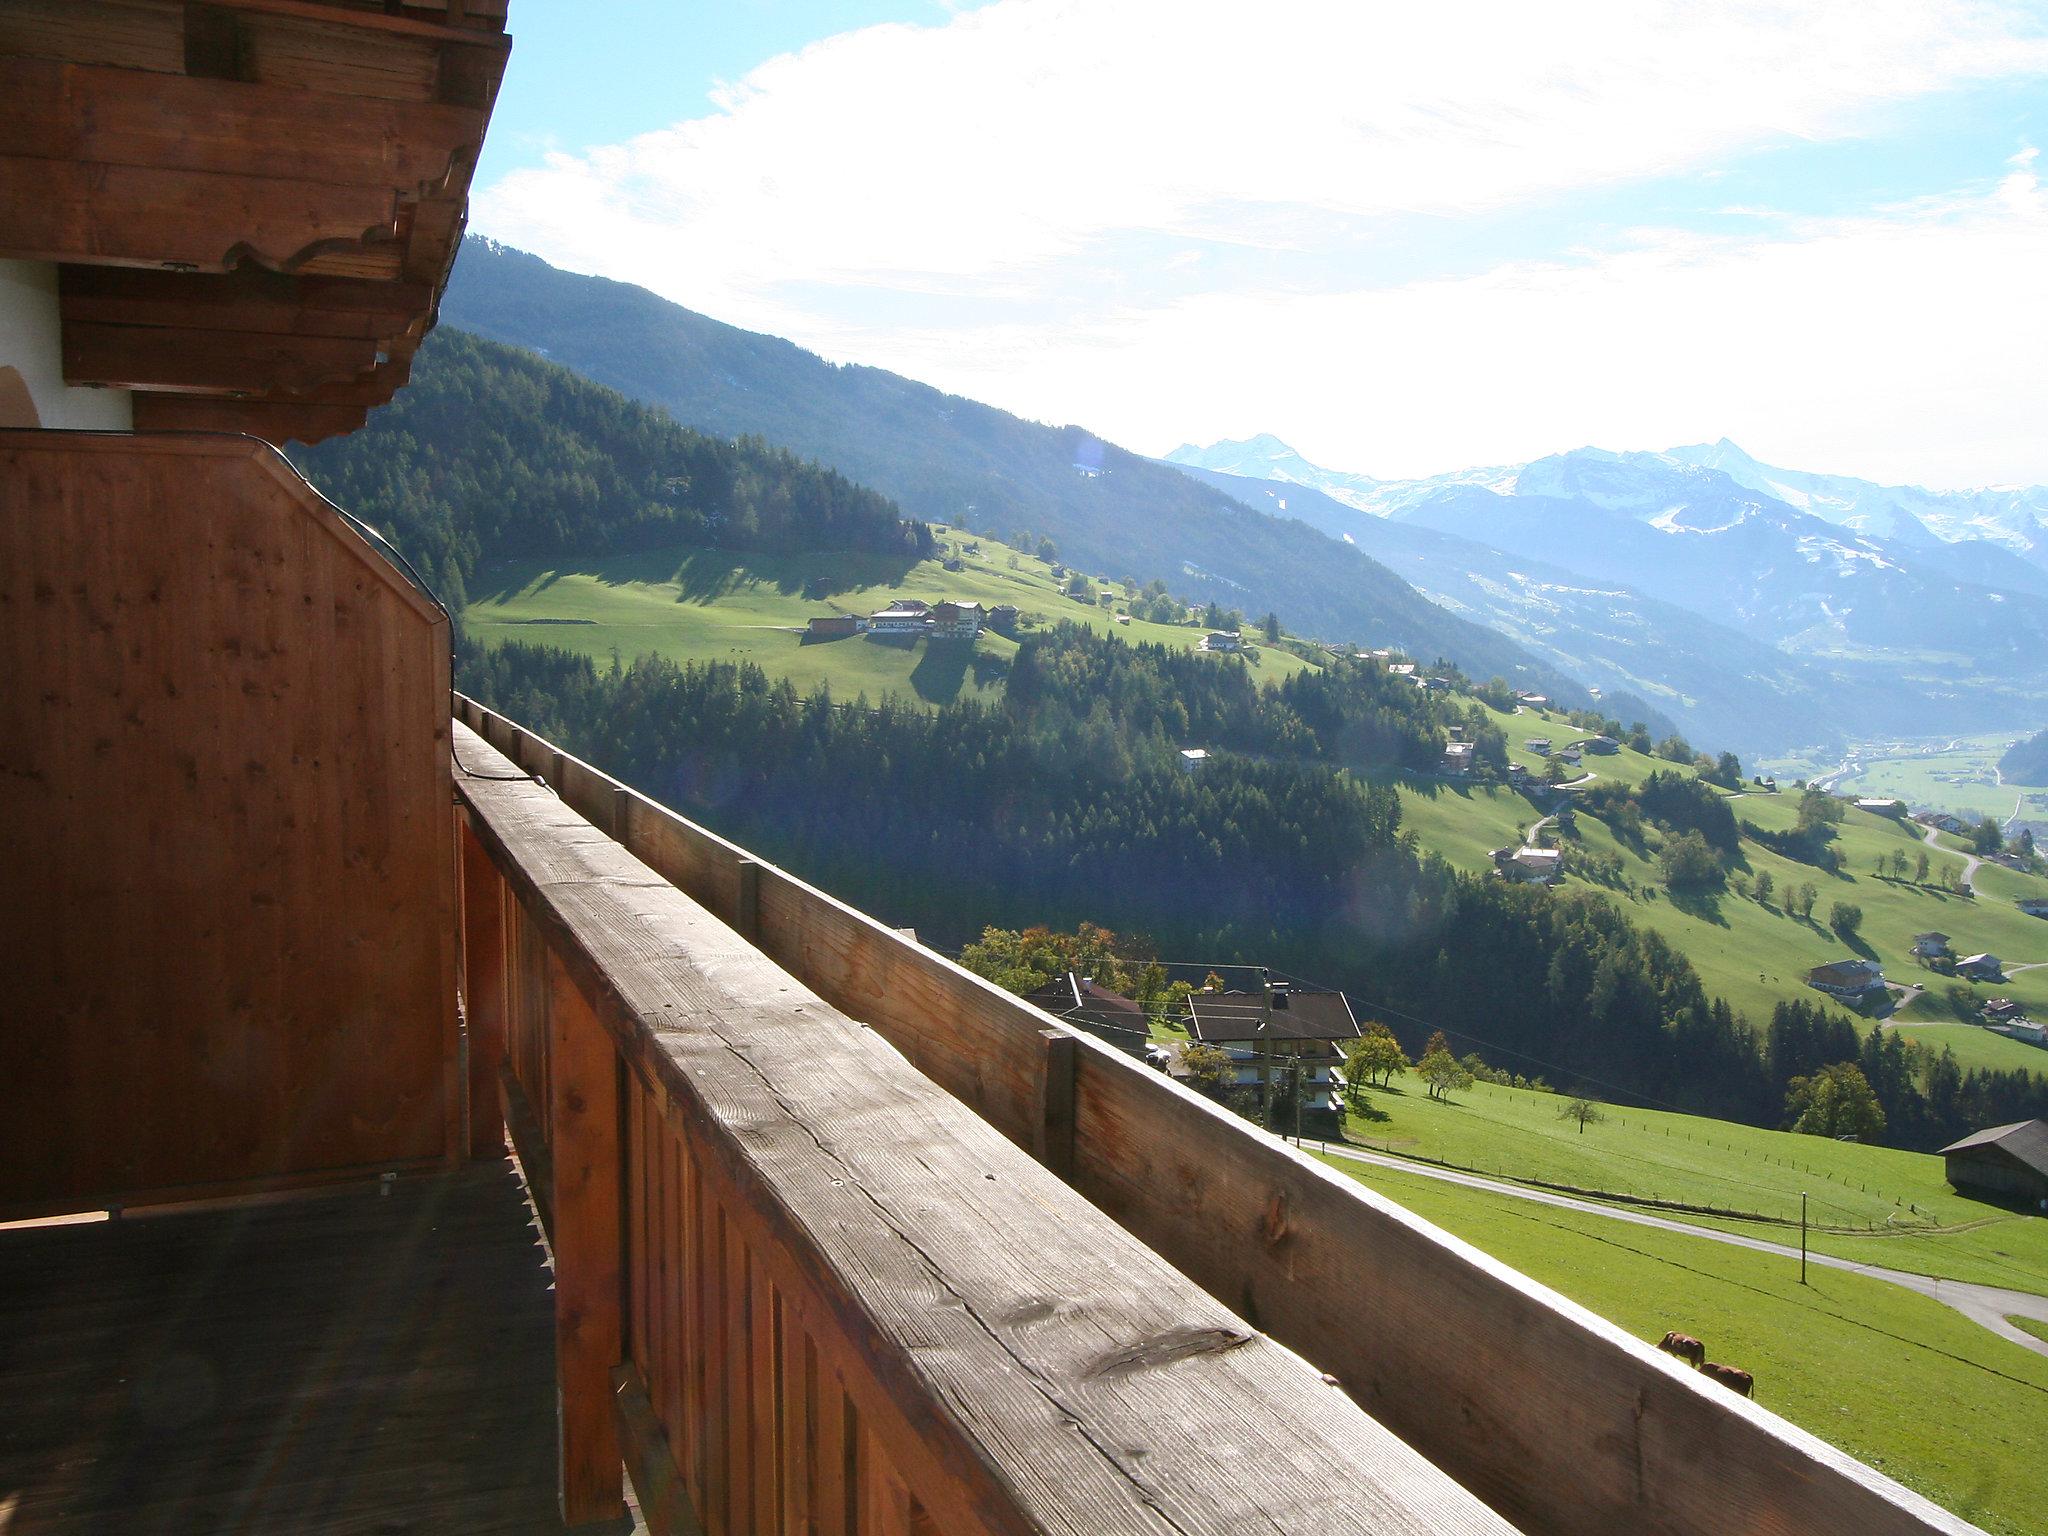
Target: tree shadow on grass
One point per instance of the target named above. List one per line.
(940, 671)
(1704, 905)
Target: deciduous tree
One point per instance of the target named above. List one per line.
(1835, 1101)
(1583, 1110)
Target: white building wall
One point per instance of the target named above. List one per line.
(31, 344)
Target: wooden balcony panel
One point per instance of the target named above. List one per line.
(826, 1238)
(230, 949)
(349, 1363)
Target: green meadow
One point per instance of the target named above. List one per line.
(1893, 1378)
(1877, 1204)
(700, 605)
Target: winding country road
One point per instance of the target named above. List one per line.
(1971, 863)
(1987, 1305)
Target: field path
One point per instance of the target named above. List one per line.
(1988, 1305)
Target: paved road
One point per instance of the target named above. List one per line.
(1971, 863)
(1988, 1305)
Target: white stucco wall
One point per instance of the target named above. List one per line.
(30, 343)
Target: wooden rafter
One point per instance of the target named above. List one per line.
(252, 202)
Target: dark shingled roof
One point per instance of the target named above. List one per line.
(1296, 1015)
(2025, 1140)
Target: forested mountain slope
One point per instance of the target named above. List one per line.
(944, 458)
(493, 453)
(1067, 803)
(2026, 762)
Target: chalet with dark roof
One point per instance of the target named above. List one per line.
(1109, 1016)
(1849, 980)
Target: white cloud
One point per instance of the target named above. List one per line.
(1905, 346)
(998, 157)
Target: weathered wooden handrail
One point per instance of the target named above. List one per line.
(1555, 1417)
(801, 1287)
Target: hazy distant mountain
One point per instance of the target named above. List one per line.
(945, 459)
(1946, 633)
(2026, 762)
(2010, 519)
(1718, 684)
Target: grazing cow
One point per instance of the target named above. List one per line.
(1686, 1347)
(1730, 1377)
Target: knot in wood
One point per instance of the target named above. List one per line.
(1275, 1223)
(1165, 1348)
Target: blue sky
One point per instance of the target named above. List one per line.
(1405, 240)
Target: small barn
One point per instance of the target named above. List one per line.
(2007, 1160)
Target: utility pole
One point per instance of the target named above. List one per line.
(1802, 1237)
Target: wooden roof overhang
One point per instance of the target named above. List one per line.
(253, 204)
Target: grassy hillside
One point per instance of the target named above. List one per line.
(944, 458)
(1893, 1378)
(1756, 953)
(695, 604)
(1876, 1204)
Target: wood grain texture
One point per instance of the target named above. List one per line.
(483, 994)
(229, 892)
(993, 1334)
(1555, 1416)
(340, 1365)
(588, 1249)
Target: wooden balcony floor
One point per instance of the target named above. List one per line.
(356, 1363)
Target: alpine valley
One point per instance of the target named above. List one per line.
(1765, 607)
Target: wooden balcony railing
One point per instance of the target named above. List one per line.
(800, 1288)
(848, 1300)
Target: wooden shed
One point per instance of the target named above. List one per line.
(2009, 1161)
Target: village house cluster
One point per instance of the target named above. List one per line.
(943, 620)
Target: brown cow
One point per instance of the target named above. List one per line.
(1729, 1377)
(1686, 1347)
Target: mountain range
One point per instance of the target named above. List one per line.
(1760, 608)
(946, 459)
(1749, 618)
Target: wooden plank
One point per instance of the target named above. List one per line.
(1054, 1144)
(483, 972)
(366, 1362)
(126, 117)
(195, 360)
(247, 299)
(884, 1496)
(797, 1382)
(657, 1480)
(68, 210)
(764, 1394)
(586, 1242)
(837, 1434)
(1025, 1363)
